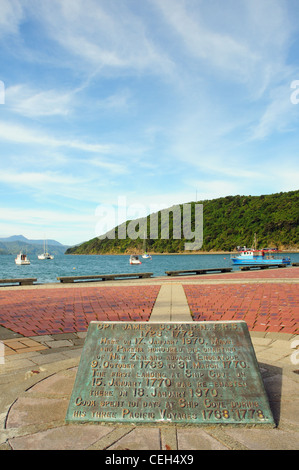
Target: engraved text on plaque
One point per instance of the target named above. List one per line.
(199, 373)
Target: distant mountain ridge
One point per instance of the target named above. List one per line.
(14, 244)
(21, 238)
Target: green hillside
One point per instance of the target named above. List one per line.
(228, 222)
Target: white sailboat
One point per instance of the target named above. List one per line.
(45, 254)
(145, 254)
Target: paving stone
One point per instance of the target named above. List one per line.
(256, 341)
(282, 387)
(62, 336)
(284, 346)
(139, 439)
(62, 438)
(7, 334)
(59, 344)
(81, 334)
(72, 352)
(197, 439)
(42, 338)
(28, 411)
(15, 365)
(274, 355)
(169, 438)
(289, 413)
(56, 385)
(48, 358)
(273, 439)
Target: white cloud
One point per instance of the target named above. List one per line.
(36, 179)
(221, 49)
(55, 186)
(65, 226)
(20, 134)
(103, 35)
(113, 167)
(32, 103)
(11, 16)
(278, 114)
(287, 173)
(244, 42)
(42, 217)
(117, 101)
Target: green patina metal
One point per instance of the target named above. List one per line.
(197, 373)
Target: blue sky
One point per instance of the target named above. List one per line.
(119, 107)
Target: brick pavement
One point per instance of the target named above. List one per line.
(54, 311)
(264, 306)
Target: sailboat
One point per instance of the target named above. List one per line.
(145, 254)
(45, 254)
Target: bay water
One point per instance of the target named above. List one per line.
(47, 271)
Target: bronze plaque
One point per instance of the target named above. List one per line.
(201, 373)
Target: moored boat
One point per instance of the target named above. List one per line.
(251, 257)
(134, 259)
(145, 254)
(45, 254)
(22, 259)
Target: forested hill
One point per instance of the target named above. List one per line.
(228, 222)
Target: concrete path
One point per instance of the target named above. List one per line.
(171, 305)
(36, 381)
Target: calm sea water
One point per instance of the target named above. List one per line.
(73, 265)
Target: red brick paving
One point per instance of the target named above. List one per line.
(264, 307)
(51, 311)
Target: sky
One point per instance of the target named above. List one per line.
(111, 110)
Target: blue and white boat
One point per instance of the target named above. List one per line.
(266, 256)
